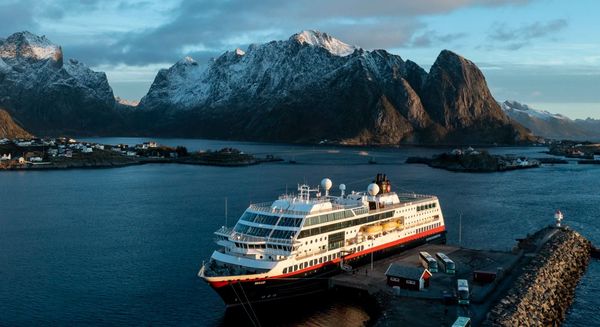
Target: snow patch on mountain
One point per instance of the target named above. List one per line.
(239, 52)
(34, 63)
(512, 105)
(325, 41)
(271, 70)
(25, 45)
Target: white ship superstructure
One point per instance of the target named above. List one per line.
(312, 233)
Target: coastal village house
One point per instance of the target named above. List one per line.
(4, 157)
(410, 278)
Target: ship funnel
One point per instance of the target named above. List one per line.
(326, 184)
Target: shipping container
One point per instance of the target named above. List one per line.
(484, 276)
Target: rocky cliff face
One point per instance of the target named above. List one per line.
(51, 95)
(9, 129)
(313, 87)
(457, 97)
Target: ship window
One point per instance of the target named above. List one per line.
(295, 267)
(290, 222)
(285, 270)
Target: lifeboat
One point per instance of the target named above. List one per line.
(390, 226)
(374, 229)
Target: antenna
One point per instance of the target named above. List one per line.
(226, 212)
(460, 228)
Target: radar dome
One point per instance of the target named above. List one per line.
(373, 189)
(326, 184)
(342, 187)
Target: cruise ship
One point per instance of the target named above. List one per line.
(289, 247)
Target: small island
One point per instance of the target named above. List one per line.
(475, 161)
(586, 152)
(64, 153)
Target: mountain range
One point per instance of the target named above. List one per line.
(308, 88)
(50, 95)
(555, 126)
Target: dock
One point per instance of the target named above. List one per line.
(433, 306)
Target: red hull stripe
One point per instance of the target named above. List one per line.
(337, 260)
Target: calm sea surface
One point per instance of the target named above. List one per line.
(123, 246)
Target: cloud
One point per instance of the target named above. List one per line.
(138, 32)
(430, 38)
(16, 16)
(514, 38)
(218, 26)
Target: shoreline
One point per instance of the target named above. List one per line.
(537, 284)
(116, 164)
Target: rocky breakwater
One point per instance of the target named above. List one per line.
(545, 289)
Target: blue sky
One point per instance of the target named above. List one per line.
(544, 53)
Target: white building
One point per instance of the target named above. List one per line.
(24, 143)
(6, 157)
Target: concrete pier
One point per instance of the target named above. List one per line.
(433, 306)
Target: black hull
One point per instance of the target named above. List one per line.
(305, 283)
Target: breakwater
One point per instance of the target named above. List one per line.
(545, 289)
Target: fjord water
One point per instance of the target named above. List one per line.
(124, 245)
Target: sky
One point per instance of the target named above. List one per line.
(543, 53)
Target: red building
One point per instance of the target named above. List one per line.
(410, 278)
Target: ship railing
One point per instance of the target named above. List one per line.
(309, 254)
(245, 238)
(267, 207)
(415, 195)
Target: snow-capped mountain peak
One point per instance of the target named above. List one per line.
(512, 105)
(325, 41)
(25, 45)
